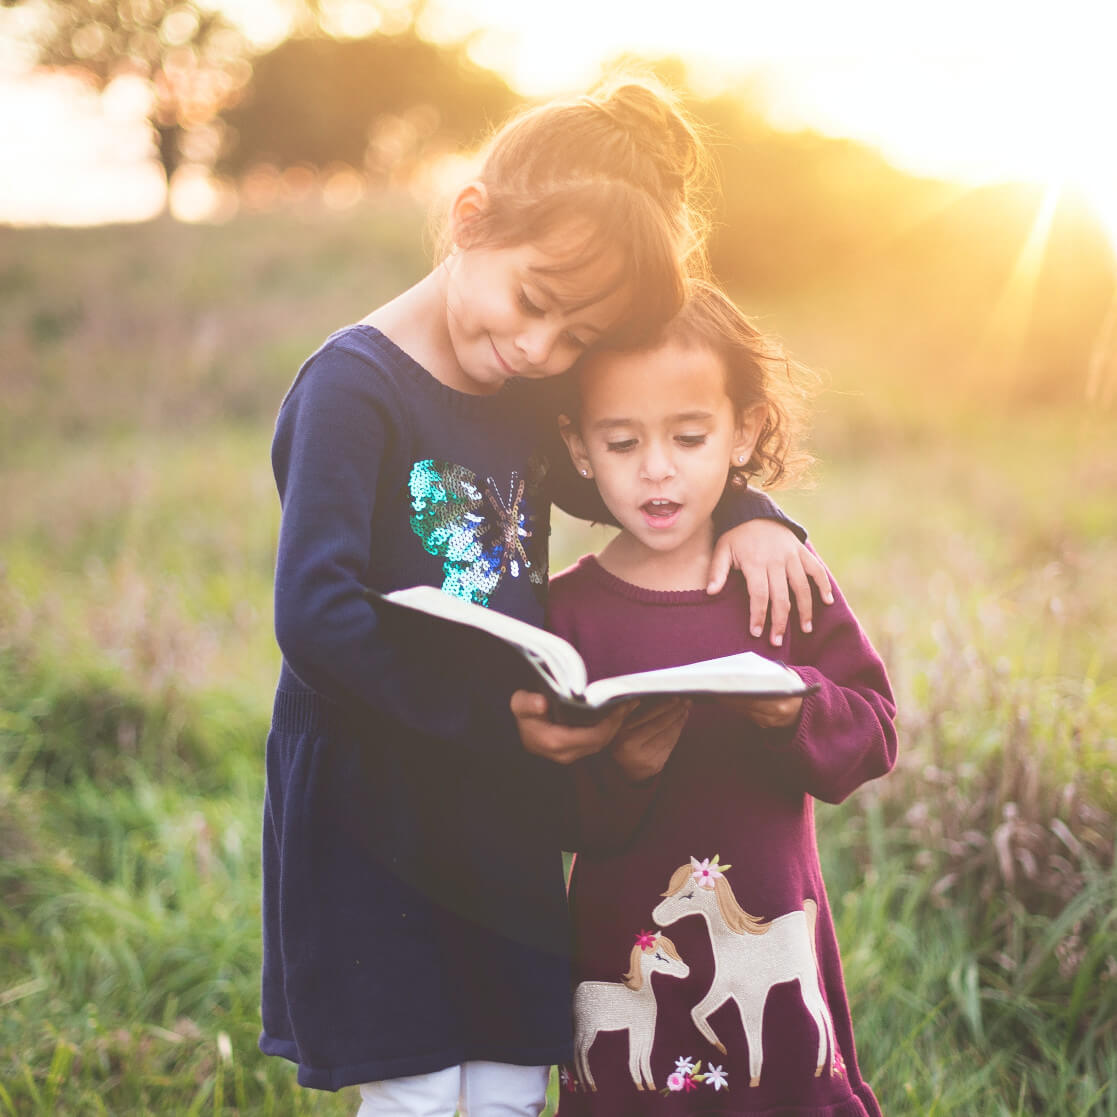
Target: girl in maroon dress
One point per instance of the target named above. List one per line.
(707, 972)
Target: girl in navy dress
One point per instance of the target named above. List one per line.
(414, 920)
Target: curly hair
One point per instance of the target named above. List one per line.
(757, 371)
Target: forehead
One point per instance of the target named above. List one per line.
(645, 385)
(580, 270)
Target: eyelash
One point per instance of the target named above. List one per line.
(528, 305)
(536, 311)
(687, 441)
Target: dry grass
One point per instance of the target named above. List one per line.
(974, 888)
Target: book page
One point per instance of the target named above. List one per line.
(745, 673)
(551, 655)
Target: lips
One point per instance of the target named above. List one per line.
(505, 367)
(660, 512)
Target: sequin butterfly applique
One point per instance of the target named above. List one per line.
(480, 533)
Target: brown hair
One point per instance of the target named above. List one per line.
(625, 166)
(757, 371)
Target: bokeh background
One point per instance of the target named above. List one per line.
(922, 202)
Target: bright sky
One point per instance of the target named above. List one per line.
(977, 90)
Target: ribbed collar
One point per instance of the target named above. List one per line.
(618, 586)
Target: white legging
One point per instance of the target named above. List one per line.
(470, 1090)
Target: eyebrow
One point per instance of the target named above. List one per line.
(679, 417)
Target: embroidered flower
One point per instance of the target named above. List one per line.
(567, 1080)
(686, 1076)
(645, 940)
(707, 872)
(716, 1077)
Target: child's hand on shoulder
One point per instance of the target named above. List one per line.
(775, 566)
(768, 713)
(562, 744)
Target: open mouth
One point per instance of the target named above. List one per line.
(659, 512)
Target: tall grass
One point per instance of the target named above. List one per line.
(973, 889)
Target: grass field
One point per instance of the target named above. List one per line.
(974, 889)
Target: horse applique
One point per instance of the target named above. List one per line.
(751, 955)
(608, 1006)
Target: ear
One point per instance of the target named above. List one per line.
(750, 422)
(574, 444)
(469, 204)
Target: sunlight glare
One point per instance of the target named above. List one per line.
(1011, 317)
(979, 91)
(92, 155)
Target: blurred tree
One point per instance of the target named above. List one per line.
(193, 58)
(382, 103)
(795, 209)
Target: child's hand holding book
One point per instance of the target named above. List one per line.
(767, 713)
(648, 737)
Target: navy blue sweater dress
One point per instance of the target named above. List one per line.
(414, 913)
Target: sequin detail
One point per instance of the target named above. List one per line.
(480, 533)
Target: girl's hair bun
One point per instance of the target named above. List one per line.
(662, 134)
(614, 172)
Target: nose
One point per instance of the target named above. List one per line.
(656, 463)
(536, 342)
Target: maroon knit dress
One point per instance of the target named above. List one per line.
(707, 977)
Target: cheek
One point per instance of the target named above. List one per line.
(614, 474)
(475, 300)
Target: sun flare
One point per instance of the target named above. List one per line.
(987, 90)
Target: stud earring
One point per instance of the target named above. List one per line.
(585, 472)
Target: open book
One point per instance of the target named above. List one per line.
(563, 672)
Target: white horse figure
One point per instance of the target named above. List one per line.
(608, 1006)
(750, 956)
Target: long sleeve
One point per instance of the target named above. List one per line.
(334, 430)
(846, 733)
(739, 505)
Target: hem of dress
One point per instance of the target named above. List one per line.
(377, 1070)
(860, 1103)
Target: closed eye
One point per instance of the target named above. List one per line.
(691, 439)
(528, 305)
(621, 445)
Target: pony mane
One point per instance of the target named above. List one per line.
(634, 979)
(669, 948)
(736, 918)
(678, 879)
